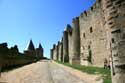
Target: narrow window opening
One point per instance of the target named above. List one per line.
(113, 40)
(84, 35)
(89, 47)
(91, 30)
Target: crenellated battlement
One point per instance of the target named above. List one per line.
(68, 27)
(54, 46)
(58, 43)
(75, 20)
(91, 10)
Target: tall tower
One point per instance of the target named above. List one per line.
(51, 53)
(39, 51)
(76, 41)
(114, 12)
(42, 50)
(65, 46)
(31, 46)
(60, 51)
(69, 30)
(54, 52)
(30, 50)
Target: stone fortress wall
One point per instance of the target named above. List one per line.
(85, 39)
(93, 36)
(97, 35)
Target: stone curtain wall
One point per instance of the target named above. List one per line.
(93, 36)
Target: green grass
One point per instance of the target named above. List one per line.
(92, 70)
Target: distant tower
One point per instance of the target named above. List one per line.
(51, 53)
(60, 51)
(54, 52)
(30, 50)
(39, 51)
(31, 46)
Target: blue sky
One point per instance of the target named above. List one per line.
(43, 21)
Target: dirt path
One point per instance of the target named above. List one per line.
(40, 72)
(88, 78)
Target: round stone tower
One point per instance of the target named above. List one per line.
(51, 53)
(65, 47)
(114, 12)
(76, 41)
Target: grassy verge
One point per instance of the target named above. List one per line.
(92, 70)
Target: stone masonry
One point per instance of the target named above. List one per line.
(54, 52)
(75, 41)
(114, 14)
(65, 46)
(60, 51)
(93, 37)
(69, 30)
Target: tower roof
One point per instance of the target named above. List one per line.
(40, 46)
(31, 46)
(68, 27)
